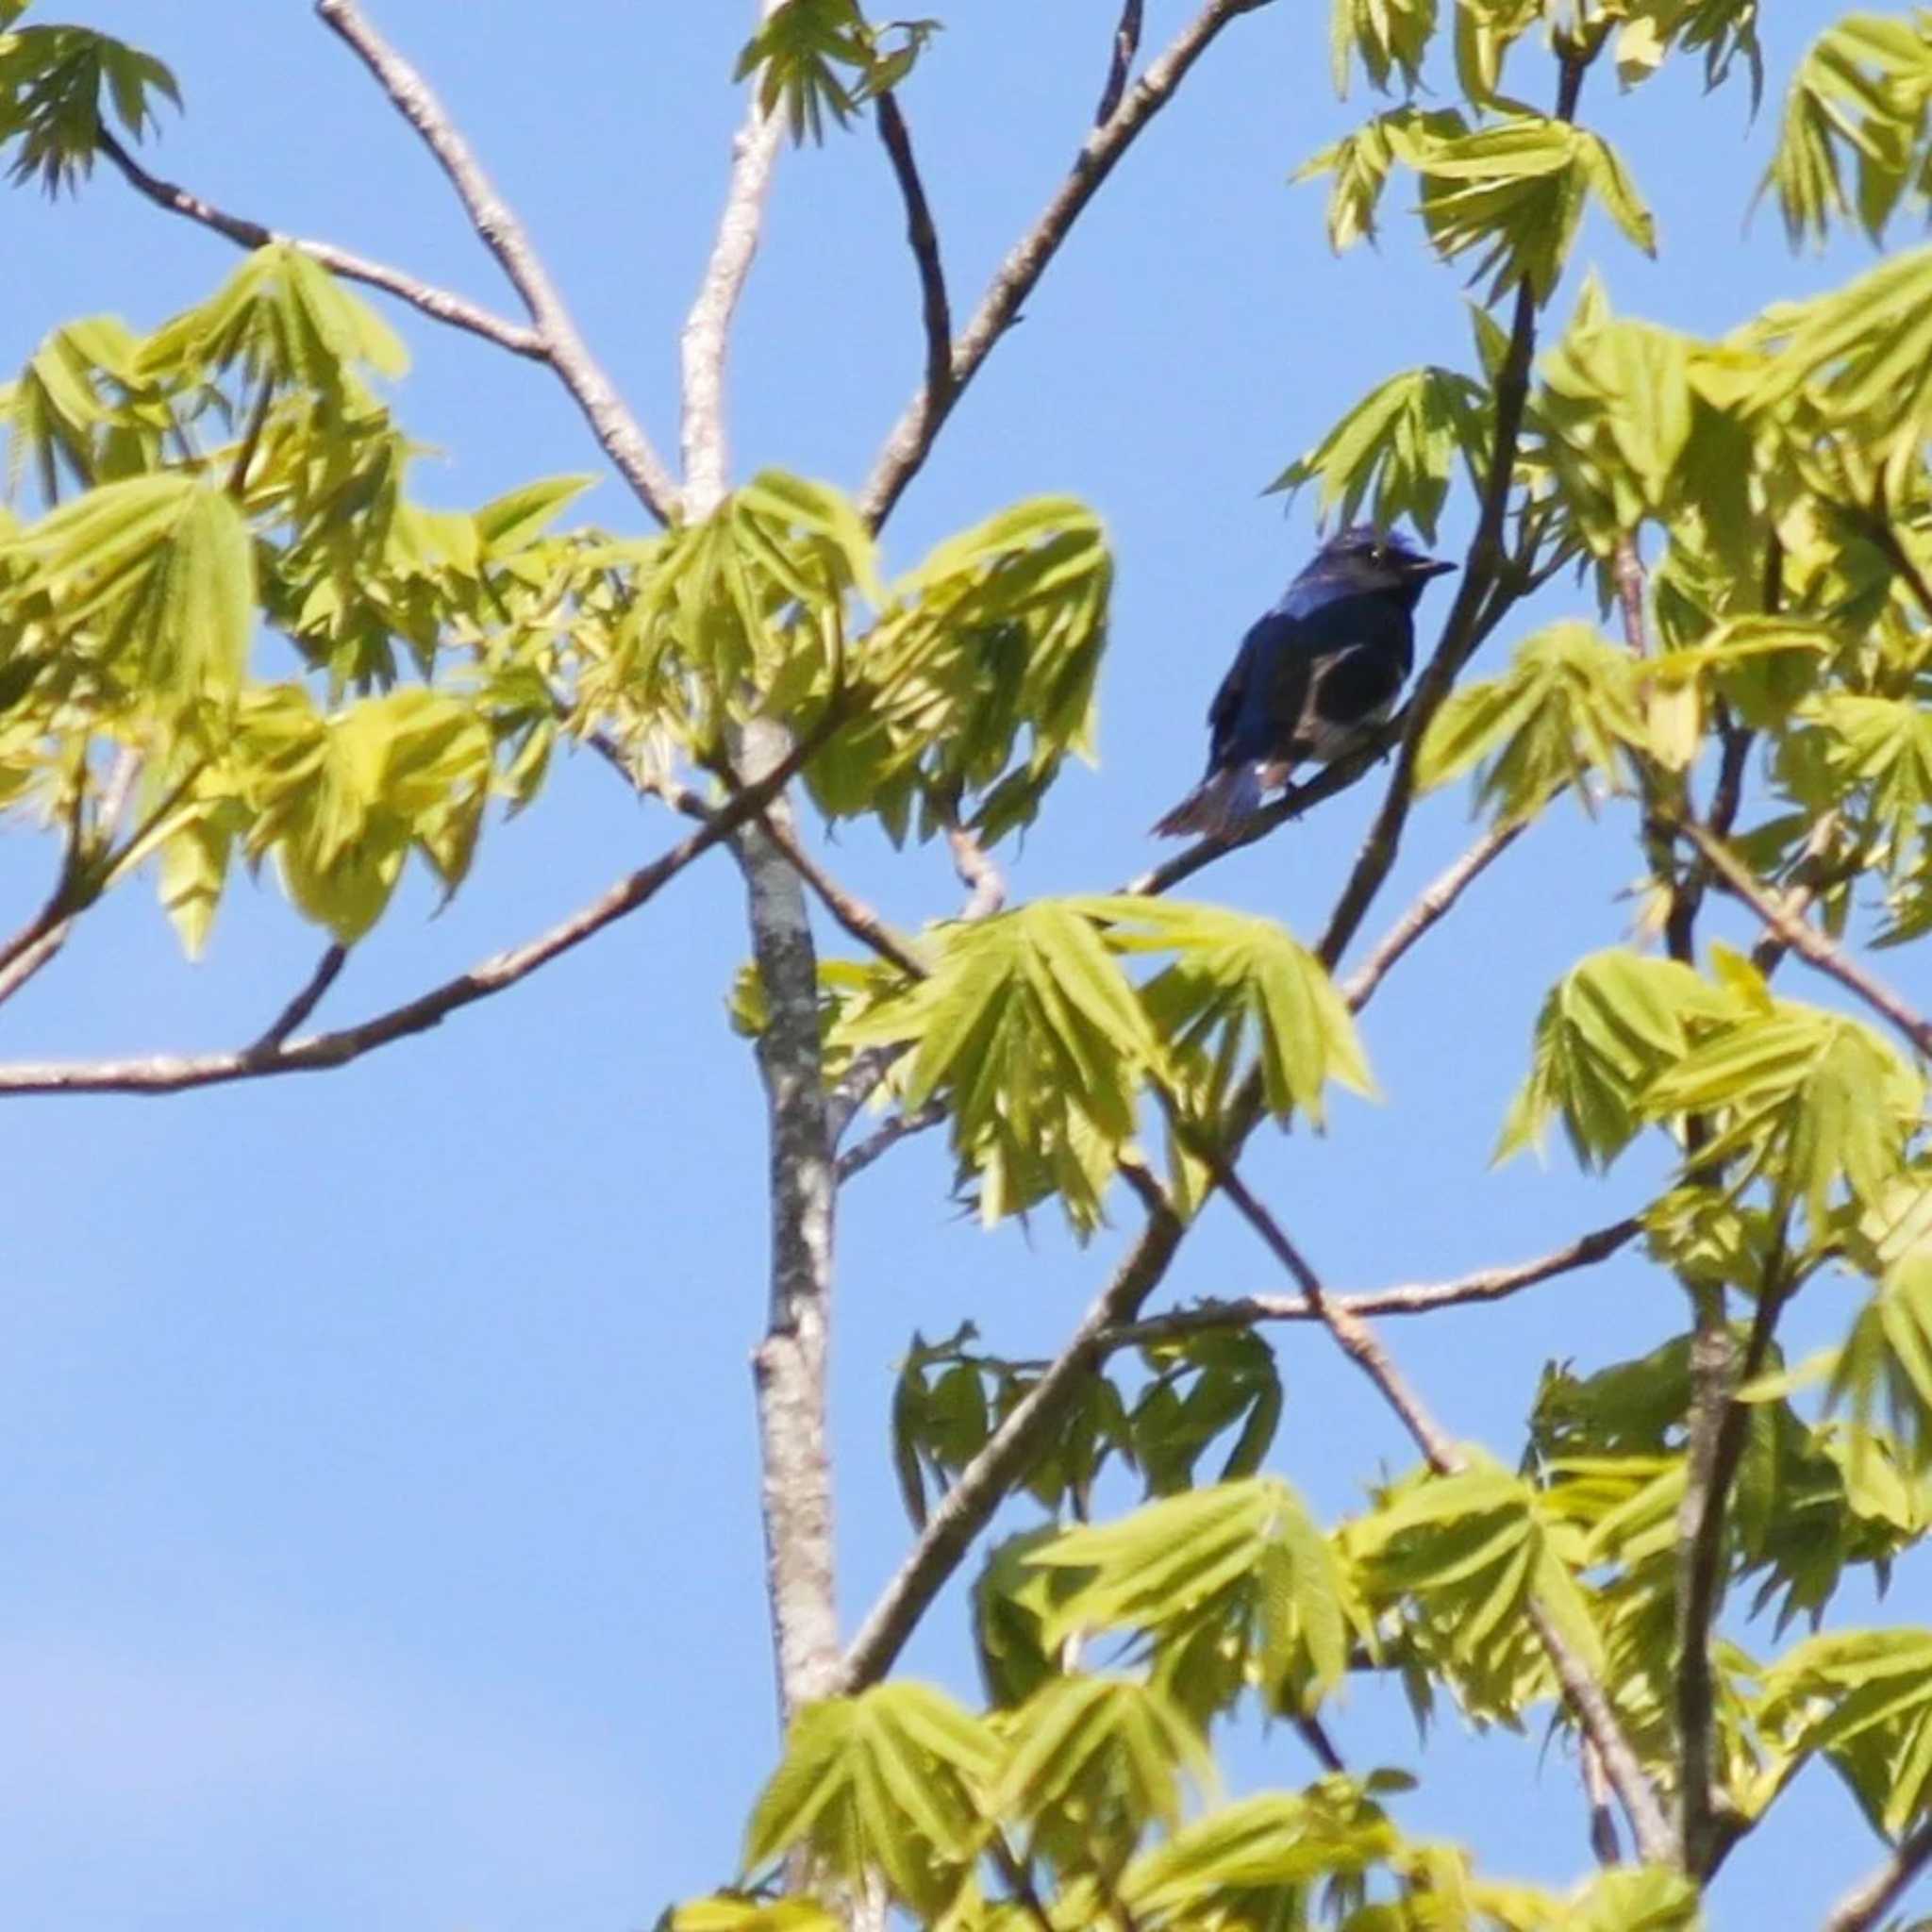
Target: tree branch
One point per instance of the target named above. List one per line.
(1865, 1906)
(1410, 1298)
(912, 437)
(439, 304)
(617, 430)
(1483, 572)
(983, 1484)
(1432, 905)
(1809, 944)
(901, 1126)
(24, 961)
(707, 338)
(1359, 1341)
(176, 1073)
(305, 1002)
(1126, 44)
(922, 238)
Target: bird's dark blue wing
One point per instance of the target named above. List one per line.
(1263, 694)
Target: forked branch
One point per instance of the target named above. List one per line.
(616, 429)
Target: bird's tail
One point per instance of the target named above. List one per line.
(1217, 806)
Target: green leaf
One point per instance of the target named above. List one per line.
(726, 1914)
(1608, 1027)
(1863, 1698)
(1568, 710)
(797, 54)
(1093, 1761)
(1818, 1101)
(1859, 95)
(1387, 36)
(507, 523)
(890, 1781)
(1512, 194)
(1241, 1568)
(1397, 449)
(1263, 1854)
(1032, 1035)
(1237, 984)
(54, 81)
(281, 319)
(153, 576)
(1361, 163)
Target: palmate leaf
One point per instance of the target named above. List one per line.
(1389, 37)
(54, 84)
(1092, 1762)
(1817, 1100)
(80, 407)
(1637, 421)
(339, 801)
(892, 1781)
(1204, 1385)
(280, 320)
(1262, 1860)
(1032, 1033)
(726, 1914)
(1238, 984)
(1882, 748)
(1885, 1366)
(1513, 193)
(798, 54)
(1863, 353)
(1362, 160)
(1466, 1555)
(1569, 708)
(1609, 1025)
(1397, 449)
(978, 681)
(738, 616)
(1724, 31)
(150, 579)
(1859, 98)
(1863, 1698)
(1240, 1570)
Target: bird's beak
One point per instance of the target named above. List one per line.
(1426, 567)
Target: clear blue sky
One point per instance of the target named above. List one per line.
(376, 1473)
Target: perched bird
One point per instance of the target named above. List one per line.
(1321, 667)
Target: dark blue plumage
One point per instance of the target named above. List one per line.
(1325, 663)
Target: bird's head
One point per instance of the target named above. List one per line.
(1363, 557)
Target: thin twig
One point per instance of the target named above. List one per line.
(1604, 1843)
(617, 430)
(1865, 1906)
(983, 1484)
(439, 304)
(705, 341)
(27, 960)
(1409, 1298)
(883, 1140)
(1120, 62)
(176, 1073)
(978, 872)
(1707, 1831)
(1483, 571)
(862, 921)
(911, 439)
(331, 963)
(1430, 906)
(922, 239)
(1359, 1341)
(1809, 944)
